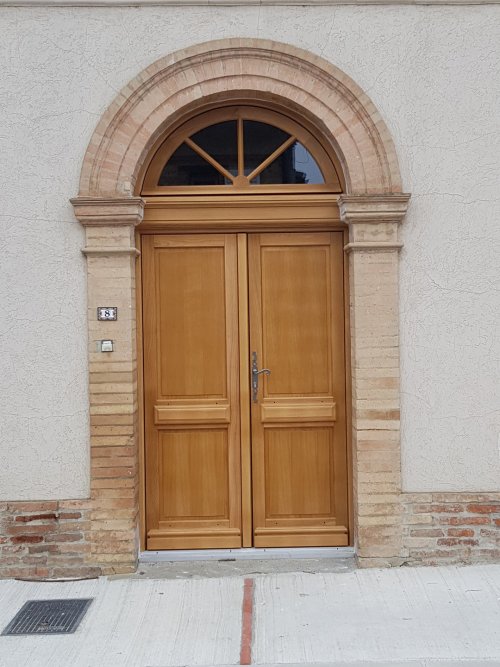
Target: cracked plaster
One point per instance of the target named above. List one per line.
(433, 75)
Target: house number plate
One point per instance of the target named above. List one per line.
(107, 313)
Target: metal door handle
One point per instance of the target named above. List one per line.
(255, 376)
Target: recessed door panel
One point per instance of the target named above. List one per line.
(190, 284)
(298, 412)
(296, 306)
(195, 476)
(299, 473)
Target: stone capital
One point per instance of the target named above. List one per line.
(373, 221)
(373, 208)
(108, 211)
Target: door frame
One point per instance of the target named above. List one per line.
(373, 207)
(167, 215)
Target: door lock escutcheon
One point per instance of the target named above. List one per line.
(255, 376)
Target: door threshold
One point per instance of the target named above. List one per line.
(172, 555)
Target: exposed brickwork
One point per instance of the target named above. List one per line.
(299, 80)
(442, 528)
(111, 255)
(46, 540)
(80, 538)
(373, 268)
(59, 539)
(69, 538)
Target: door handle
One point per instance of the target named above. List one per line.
(255, 376)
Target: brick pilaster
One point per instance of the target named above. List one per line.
(373, 269)
(111, 255)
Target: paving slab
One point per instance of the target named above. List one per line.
(375, 616)
(408, 617)
(154, 623)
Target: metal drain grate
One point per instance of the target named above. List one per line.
(48, 617)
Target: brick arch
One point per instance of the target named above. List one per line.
(372, 207)
(249, 67)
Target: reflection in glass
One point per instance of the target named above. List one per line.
(260, 140)
(186, 167)
(295, 166)
(220, 142)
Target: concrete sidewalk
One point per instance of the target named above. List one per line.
(408, 616)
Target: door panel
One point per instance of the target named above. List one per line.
(299, 464)
(191, 319)
(189, 462)
(295, 302)
(299, 472)
(191, 391)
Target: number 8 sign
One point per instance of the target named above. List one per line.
(107, 313)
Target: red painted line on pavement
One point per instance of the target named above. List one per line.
(246, 623)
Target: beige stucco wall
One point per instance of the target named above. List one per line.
(432, 73)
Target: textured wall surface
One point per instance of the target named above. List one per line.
(432, 73)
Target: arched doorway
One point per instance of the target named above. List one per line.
(234, 455)
(333, 110)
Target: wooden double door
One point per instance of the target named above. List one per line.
(234, 457)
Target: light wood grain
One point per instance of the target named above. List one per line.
(191, 364)
(275, 475)
(246, 452)
(140, 396)
(275, 208)
(295, 410)
(187, 414)
(297, 330)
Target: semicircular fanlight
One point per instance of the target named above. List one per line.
(241, 153)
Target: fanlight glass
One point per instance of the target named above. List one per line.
(186, 167)
(260, 140)
(270, 156)
(295, 165)
(220, 141)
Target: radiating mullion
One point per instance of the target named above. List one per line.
(209, 159)
(241, 148)
(274, 155)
